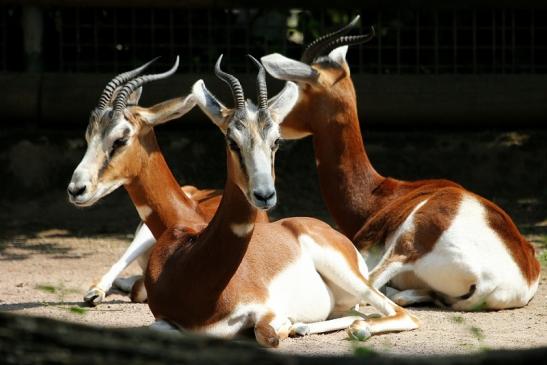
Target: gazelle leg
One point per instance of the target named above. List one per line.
(142, 242)
(387, 269)
(344, 272)
(412, 296)
(303, 329)
(271, 329)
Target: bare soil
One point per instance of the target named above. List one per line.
(46, 274)
(50, 252)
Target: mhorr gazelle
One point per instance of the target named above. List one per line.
(433, 238)
(291, 276)
(122, 150)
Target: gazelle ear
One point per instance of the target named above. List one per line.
(168, 110)
(135, 96)
(338, 55)
(209, 104)
(281, 104)
(284, 68)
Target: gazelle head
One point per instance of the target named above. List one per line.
(252, 132)
(119, 135)
(323, 76)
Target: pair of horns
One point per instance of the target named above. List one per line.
(330, 41)
(130, 83)
(237, 90)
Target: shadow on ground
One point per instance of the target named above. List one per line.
(509, 168)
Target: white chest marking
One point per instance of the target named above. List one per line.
(144, 211)
(241, 229)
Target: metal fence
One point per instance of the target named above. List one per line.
(481, 41)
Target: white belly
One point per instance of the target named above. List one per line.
(300, 293)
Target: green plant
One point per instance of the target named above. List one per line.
(60, 291)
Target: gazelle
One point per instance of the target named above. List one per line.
(122, 150)
(436, 240)
(236, 273)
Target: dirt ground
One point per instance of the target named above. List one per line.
(47, 273)
(50, 252)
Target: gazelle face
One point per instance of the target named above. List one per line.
(120, 136)
(111, 158)
(323, 75)
(119, 146)
(252, 138)
(325, 89)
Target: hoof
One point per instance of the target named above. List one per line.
(94, 296)
(359, 331)
(300, 329)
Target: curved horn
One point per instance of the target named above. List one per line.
(121, 100)
(312, 50)
(348, 41)
(262, 90)
(118, 81)
(233, 82)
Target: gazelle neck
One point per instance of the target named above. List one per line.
(157, 195)
(225, 240)
(235, 217)
(346, 176)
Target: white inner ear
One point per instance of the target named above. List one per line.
(168, 110)
(281, 104)
(135, 96)
(284, 68)
(208, 103)
(338, 55)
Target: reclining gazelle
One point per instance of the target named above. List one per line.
(122, 149)
(435, 239)
(236, 273)
(231, 274)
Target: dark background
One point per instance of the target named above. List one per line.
(454, 90)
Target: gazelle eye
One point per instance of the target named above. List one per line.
(120, 142)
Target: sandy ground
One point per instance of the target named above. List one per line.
(47, 274)
(50, 252)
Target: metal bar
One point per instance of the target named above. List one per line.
(5, 28)
(455, 41)
(210, 37)
(115, 38)
(493, 41)
(399, 42)
(285, 31)
(133, 38)
(533, 41)
(513, 43)
(190, 44)
(436, 41)
(380, 66)
(59, 16)
(417, 42)
(153, 31)
(78, 42)
(228, 32)
(95, 41)
(171, 35)
(361, 67)
(503, 40)
(474, 41)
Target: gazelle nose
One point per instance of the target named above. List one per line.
(74, 190)
(264, 194)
